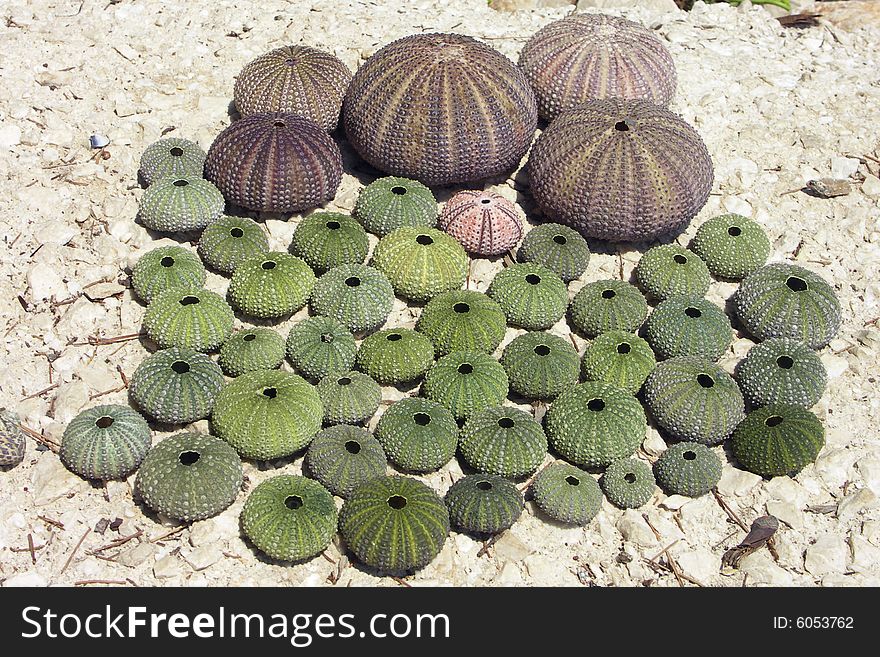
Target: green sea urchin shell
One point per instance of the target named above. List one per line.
(619, 358)
(559, 248)
(608, 305)
(343, 457)
(267, 414)
(176, 386)
(12, 442)
(731, 245)
(567, 494)
(530, 295)
(787, 301)
(394, 524)
(503, 441)
(349, 397)
(395, 355)
(389, 203)
(289, 517)
(540, 365)
(628, 483)
(466, 382)
(171, 158)
(105, 442)
(229, 241)
(688, 469)
(595, 423)
(670, 270)
(251, 349)
(329, 239)
(462, 320)
(271, 285)
(483, 504)
(189, 477)
(418, 434)
(779, 439)
(358, 296)
(694, 399)
(187, 317)
(164, 268)
(174, 205)
(782, 371)
(319, 346)
(688, 327)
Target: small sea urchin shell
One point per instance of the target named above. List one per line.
(229, 241)
(319, 346)
(670, 270)
(688, 327)
(418, 434)
(343, 457)
(778, 439)
(466, 382)
(483, 504)
(395, 355)
(503, 441)
(329, 239)
(251, 349)
(462, 320)
(688, 469)
(731, 245)
(166, 267)
(782, 371)
(358, 296)
(187, 317)
(105, 442)
(484, 223)
(12, 442)
(271, 285)
(540, 365)
(628, 483)
(559, 248)
(619, 358)
(389, 203)
(174, 205)
(567, 494)
(171, 158)
(349, 397)
(530, 295)
(608, 305)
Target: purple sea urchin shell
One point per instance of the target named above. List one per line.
(484, 223)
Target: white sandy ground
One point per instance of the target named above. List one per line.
(775, 106)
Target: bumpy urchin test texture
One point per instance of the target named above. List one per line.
(620, 170)
(694, 399)
(559, 248)
(171, 158)
(483, 504)
(12, 441)
(358, 296)
(319, 346)
(418, 434)
(329, 239)
(503, 441)
(670, 270)
(164, 268)
(187, 317)
(540, 365)
(105, 442)
(608, 305)
(688, 327)
(176, 385)
(628, 483)
(440, 108)
(394, 524)
(731, 245)
(782, 371)
(189, 477)
(349, 397)
(229, 241)
(593, 56)
(289, 517)
(267, 414)
(421, 262)
(251, 349)
(688, 469)
(530, 295)
(395, 355)
(595, 423)
(298, 80)
(787, 301)
(466, 382)
(174, 205)
(484, 223)
(462, 320)
(343, 457)
(777, 440)
(390, 203)
(619, 358)
(275, 162)
(567, 494)
(271, 285)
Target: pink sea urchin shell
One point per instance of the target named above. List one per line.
(484, 223)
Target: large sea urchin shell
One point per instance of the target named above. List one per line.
(621, 170)
(484, 223)
(440, 108)
(275, 162)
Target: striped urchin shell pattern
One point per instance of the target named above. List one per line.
(567, 494)
(594, 56)
(164, 268)
(12, 442)
(485, 504)
(484, 223)
(186, 317)
(358, 296)
(105, 442)
(782, 371)
(466, 382)
(343, 457)
(462, 319)
(778, 439)
(417, 434)
(319, 346)
(390, 203)
(440, 108)
(275, 162)
(297, 79)
(329, 239)
(271, 285)
(621, 170)
(540, 365)
(174, 205)
(229, 241)
(171, 158)
(504, 441)
(349, 398)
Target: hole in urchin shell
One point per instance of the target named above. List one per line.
(250, 337)
(326, 338)
(352, 281)
(188, 457)
(334, 225)
(425, 240)
(560, 239)
(352, 446)
(397, 190)
(278, 124)
(422, 419)
(269, 264)
(461, 308)
(621, 126)
(180, 183)
(484, 485)
(542, 350)
(505, 423)
(271, 393)
(397, 502)
(693, 313)
(290, 61)
(679, 259)
(180, 367)
(596, 405)
(571, 480)
(104, 422)
(485, 201)
(167, 261)
(465, 368)
(236, 232)
(533, 279)
(705, 380)
(795, 284)
(734, 231)
(393, 337)
(773, 421)
(293, 502)
(785, 362)
(177, 151)
(189, 301)
(344, 381)
(629, 478)
(624, 348)
(608, 294)
(689, 455)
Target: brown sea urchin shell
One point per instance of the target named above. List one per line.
(620, 170)
(594, 56)
(440, 108)
(484, 223)
(275, 162)
(295, 79)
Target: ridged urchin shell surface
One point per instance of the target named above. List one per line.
(594, 56)
(175, 205)
(105, 442)
(171, 158)
(620, 170)
(484, 223)
(440, 108)
(12, 442)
